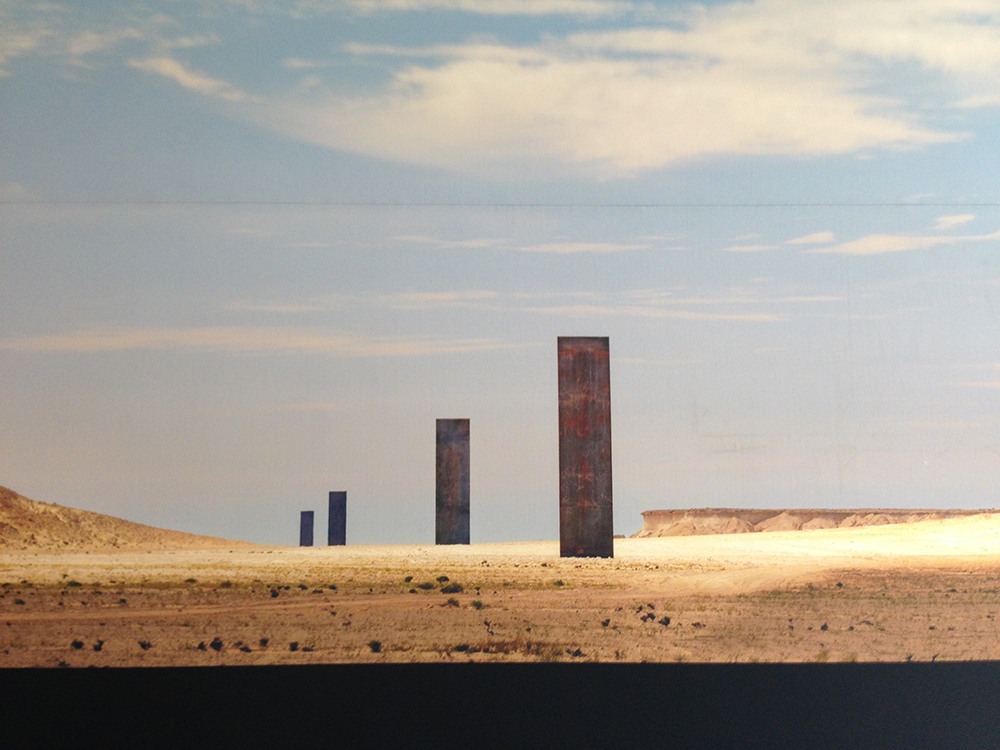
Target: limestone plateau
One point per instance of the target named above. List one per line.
(691, 522)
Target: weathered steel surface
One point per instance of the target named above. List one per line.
(336, 532)
(306, 529)
(452, 486)
(585, 513)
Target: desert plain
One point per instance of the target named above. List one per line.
(921, 591)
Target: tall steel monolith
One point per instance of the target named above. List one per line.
(585, 515)
(336, 532)
(452, 486)
(306, 529)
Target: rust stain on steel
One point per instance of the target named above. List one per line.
(336, 532)
(306, 529)
(452, 486)
(585, 511)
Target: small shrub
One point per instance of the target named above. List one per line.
(202, 646)
(442, 579)
(452, 588)
(216, 644)
(664, 621)
(425, 586)
(264, 642)
(375, 646)
(223, 585)
(274, 593)
(145, 645)
(476, 604)
(560, 582)
(77, 645)
(190, 580)
(73, 584)
(452, 602)
(462, 647)
(408, 579)
(293, 646)
(98, 646)
(303, 587)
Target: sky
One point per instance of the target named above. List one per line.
(251, 250)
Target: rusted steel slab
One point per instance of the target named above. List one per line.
(306, 528)
(336, 532)
(452, 485)
(585, 510)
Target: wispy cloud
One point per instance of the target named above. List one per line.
(568, 248)
(459, 244)
(192, 80)
(748, 248)
(877, 244)
(950, 222)
(499, 7)
(436, 300)
(636, 311)
(249, 340)
(652, 303)
(816, 238)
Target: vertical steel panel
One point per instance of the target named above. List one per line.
(336, 532)
(306, 529)
(452, 485)
(585, 512)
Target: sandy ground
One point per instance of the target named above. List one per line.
(922, 592)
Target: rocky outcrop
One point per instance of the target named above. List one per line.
(747, 520)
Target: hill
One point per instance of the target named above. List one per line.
(693, 522)
(31, 525)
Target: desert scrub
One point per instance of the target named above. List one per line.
(452, 588)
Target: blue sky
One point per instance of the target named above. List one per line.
(250, 251)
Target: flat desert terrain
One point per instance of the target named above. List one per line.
(922, 591)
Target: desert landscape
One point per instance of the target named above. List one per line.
(80, 589)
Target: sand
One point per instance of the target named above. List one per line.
(924, 591)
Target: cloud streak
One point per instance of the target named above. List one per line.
(879, 244)
(587, 8)
(171, 69)
(244, 340)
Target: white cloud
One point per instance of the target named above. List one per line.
(253, 340)
(816, 238)
(957, 220)
(748, 248)
(569, 248)
(192, 80)
(89, 42)
(500, 7)
(737, 78)
(877, 244)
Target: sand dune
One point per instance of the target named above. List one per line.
(31, 525)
